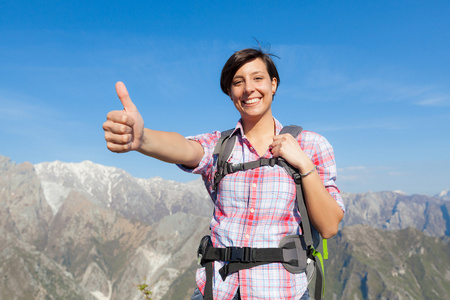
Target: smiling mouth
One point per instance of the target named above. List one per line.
(251, 101)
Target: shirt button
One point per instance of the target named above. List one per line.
(254, 185)
(252, 210)
(247, 236)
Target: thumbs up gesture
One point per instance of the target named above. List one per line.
(124, 129)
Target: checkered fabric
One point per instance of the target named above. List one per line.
(257, 208)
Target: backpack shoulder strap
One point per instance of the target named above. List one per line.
(224, 136)
(224, 148)
(311, 236)
(292, 129)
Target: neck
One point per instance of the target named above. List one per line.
(260, 128)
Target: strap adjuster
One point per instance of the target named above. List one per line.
(273, 161)
(297, 178)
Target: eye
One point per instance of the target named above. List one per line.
(237, 82)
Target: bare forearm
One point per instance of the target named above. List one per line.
(323, 209)
(171, 147)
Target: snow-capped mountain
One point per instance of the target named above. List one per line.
(147, 200)
(444, 195)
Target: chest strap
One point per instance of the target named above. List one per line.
(226, 168)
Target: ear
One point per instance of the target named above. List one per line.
(274, 85)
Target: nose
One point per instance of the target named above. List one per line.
(249, 88)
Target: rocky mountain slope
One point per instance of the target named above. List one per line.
(392, 211)
(369, 263)
(60, 240)
(86, 231)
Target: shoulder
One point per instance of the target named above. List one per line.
(206, 139)
(314, 142)
(312, 137)
(208, 142)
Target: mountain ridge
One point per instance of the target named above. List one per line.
(110, 187)
(97, 245)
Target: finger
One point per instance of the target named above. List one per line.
(117, 128)
(274, 148)
(282, 137)
(119, 139)
(118, 148)
(124, 97)
(120, 116)
(276, 142)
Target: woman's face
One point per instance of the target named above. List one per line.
(252, 90)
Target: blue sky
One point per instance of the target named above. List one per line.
(371, 76)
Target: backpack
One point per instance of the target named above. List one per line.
(297, 253)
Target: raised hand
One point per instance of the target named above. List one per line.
(286, 146)
(124, 129)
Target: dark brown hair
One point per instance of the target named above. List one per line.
(240, 58)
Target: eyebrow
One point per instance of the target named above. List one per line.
(253, 73)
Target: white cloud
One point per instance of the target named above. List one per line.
(352, 168)
(327, 75)
(435, 101)
(401, 176)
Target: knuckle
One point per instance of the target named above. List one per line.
(110, 146)
(111, 115)
(107, 126)
(108, 136)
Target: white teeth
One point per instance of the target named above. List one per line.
(251, 101)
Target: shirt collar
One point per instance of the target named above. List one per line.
(239, 128)
(278, 126)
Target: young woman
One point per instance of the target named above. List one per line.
(253, 208)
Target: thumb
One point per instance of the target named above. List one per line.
(124, 97)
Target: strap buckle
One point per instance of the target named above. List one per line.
(231, 168)
(239, 254)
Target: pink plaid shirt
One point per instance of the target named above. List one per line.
(257, 208)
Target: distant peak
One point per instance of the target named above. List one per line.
(400, 192)
(444, 195)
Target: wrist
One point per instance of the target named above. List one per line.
(309, 172)
(144, 140)
(305, 164)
